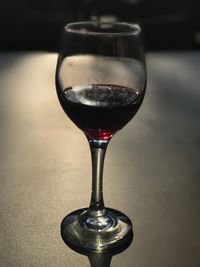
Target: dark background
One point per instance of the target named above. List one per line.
(36, 24)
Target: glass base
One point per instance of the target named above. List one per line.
(97, 231)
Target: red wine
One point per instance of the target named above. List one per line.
(100, 109)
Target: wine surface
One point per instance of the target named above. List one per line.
(100, 109)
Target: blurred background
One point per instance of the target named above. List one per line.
(36, 24)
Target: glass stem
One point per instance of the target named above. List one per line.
(98, 150)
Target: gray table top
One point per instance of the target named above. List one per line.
(152, 168)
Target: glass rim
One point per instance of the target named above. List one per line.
(131, 28)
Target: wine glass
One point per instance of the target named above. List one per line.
(100, 81)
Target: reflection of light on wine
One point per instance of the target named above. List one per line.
(108, 18)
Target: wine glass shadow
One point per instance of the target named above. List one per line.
(101, 259)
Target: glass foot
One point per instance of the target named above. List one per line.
(97, 231)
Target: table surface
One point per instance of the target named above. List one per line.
(152, 167)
